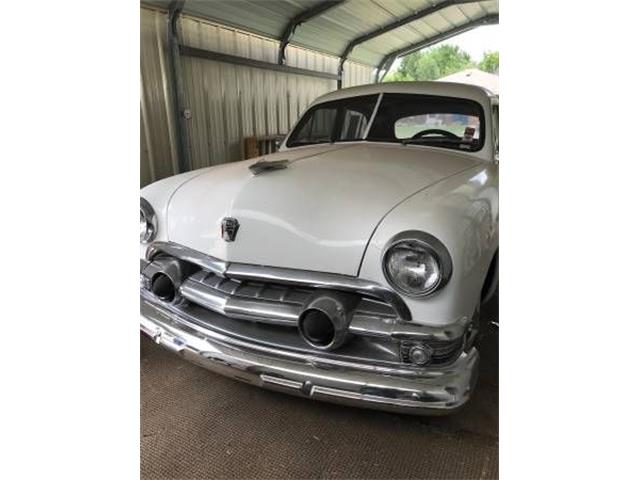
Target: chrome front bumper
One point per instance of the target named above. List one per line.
(426, 391)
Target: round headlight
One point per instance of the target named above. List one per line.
(148, 225)
(416, 264)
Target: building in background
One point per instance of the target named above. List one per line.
(473, 76)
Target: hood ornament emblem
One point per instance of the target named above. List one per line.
(229, 229)
(267, 166)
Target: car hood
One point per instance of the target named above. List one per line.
(317, 214)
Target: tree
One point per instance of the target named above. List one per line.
(410, 66)
(433, 64)
(490, 62)
(393, 77)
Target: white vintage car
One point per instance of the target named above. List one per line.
(350, 266)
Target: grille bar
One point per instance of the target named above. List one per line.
(283, 276)
(265, 311)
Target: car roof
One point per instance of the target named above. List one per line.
(445, 89)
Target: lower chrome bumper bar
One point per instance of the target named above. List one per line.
(428, 391)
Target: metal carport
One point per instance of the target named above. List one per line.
(371, 32)
(217, 71)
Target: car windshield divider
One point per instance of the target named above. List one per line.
(373, 116)
(337, 123)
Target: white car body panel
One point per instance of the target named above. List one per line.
(318, 214)
(462, 212)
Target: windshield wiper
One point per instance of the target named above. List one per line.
(297, 143)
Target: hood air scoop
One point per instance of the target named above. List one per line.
(267, 166)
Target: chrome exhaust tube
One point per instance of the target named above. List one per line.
(165, 275)
(324, 321)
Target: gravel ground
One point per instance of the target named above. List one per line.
(196, 424)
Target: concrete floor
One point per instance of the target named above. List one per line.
(196, 424)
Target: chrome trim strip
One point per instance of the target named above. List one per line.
(205, 297)
(422, 391)
(363, 325)
(284, 276)
(188, 255)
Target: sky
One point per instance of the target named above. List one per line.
(475, 42)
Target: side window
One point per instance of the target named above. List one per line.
(318, 126)
(496, 125)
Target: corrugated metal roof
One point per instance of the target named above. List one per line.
(373, 51)
(265, 17)
(228, 102)
(332, 31)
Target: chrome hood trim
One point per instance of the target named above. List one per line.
(188, 255)
(268, 166)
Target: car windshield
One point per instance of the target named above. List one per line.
(445, 122)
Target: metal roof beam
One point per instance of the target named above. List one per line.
(298, 20)
(417, 15)
(388, 60)
(249, 62)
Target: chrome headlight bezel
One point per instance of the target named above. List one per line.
(415, 239)
(148, 216)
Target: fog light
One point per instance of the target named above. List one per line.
(419, 355)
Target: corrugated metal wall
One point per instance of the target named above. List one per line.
(158, 143)
(228, 102)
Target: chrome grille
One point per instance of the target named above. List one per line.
(263, 302)
(253, 304)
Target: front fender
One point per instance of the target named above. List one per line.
(462, 212)
(159, 194)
